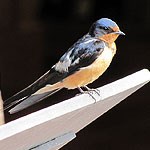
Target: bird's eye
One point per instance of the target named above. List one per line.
(104, 28)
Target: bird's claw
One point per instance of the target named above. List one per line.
(89, 92)
(93, 90)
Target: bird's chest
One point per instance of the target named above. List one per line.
(90, 73)
(102, 62)
(105, 57)
(97, 68)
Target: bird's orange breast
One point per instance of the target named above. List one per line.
(90, 73)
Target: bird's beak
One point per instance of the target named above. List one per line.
(119, 32)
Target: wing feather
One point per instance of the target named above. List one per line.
(83, 53)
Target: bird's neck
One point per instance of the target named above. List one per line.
(109, 38)
(113, 48)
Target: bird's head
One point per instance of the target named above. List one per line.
(105, 29)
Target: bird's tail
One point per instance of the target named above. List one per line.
(25, 98)
(31, 100)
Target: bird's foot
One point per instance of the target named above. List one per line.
(93, 90)
(89, 92)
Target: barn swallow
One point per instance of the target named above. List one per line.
(84, 62)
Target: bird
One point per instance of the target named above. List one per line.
(84, 62)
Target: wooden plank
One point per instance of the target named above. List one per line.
(68, 116)
(1, 111)
(56, 142)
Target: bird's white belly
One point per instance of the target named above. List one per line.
(106, 55)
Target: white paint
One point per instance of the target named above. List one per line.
(57, 141)
(70, 115)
